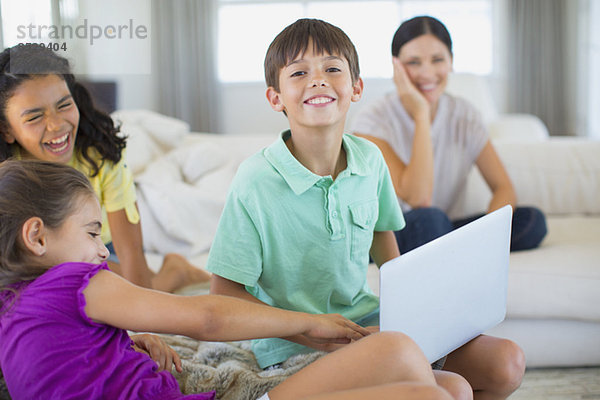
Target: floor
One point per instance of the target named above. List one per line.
(560, 384)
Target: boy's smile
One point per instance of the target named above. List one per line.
(319, 100)
(315, 91)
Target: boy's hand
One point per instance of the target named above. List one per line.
(373, 328)
(413, 101)
(158, 350)
(329, 330)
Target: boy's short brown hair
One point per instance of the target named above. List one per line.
(294, 40)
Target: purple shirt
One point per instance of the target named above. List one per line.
(50, 348)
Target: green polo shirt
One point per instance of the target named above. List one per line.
(301, 241)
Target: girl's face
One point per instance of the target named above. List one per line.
(428, 62)
(43, 119)
(78, 238)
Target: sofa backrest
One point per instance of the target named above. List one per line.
(558, 175)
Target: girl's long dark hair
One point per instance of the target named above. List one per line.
(96, 129)
(31, 188)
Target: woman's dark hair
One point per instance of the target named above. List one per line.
(418, 26)
(96, 129)
(32, 188)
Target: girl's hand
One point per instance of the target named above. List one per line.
(158, 350)
(413, 101)
(329, 330)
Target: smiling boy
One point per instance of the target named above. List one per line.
(303, 214)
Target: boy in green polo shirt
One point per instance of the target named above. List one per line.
(303, 213)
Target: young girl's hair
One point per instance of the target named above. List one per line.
(417, 26)
(31, 188)
(96, 129)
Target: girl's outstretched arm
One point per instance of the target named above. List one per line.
(113, 300)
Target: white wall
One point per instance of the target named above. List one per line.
(120, 60)
(244, 107)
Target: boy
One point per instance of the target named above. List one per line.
(302, 214)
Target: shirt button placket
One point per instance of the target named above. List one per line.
(333, 213)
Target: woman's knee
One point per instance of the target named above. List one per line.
(437, 220)
(422, 226)
(529, 228)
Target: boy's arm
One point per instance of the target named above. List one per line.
(226, 287)
(384, 247)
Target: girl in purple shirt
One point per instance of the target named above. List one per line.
(64, 316)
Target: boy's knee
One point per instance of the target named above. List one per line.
(458, 387)
(434, 393)
(398, 348)
(394, 342)
(510, 367)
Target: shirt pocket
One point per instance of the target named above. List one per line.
(363, 217)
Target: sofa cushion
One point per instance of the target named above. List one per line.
(561, 278)
(560, 176)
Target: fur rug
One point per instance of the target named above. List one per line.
(229, 368)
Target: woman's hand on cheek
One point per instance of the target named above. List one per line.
(413, 101)
(158, 350)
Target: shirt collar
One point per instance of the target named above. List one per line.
(297, 176)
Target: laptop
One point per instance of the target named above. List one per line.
(452, 289)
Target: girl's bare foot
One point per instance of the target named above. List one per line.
(177, 272)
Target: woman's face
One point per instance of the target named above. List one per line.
(428, 62)
(43, 119)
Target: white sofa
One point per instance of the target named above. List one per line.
(553, 308)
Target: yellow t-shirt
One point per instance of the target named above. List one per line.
(113, 185)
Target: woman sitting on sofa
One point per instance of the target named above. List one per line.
(430, 141)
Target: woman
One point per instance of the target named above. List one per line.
(430, 141)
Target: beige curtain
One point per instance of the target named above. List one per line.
(539, 80)
(184, 37)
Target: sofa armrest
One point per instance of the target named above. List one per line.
(559, 175)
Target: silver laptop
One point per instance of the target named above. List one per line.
(450, 290)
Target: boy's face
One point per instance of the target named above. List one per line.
(315, 90)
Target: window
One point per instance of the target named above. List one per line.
(593, 101)
(18, 17)
(246, 28)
